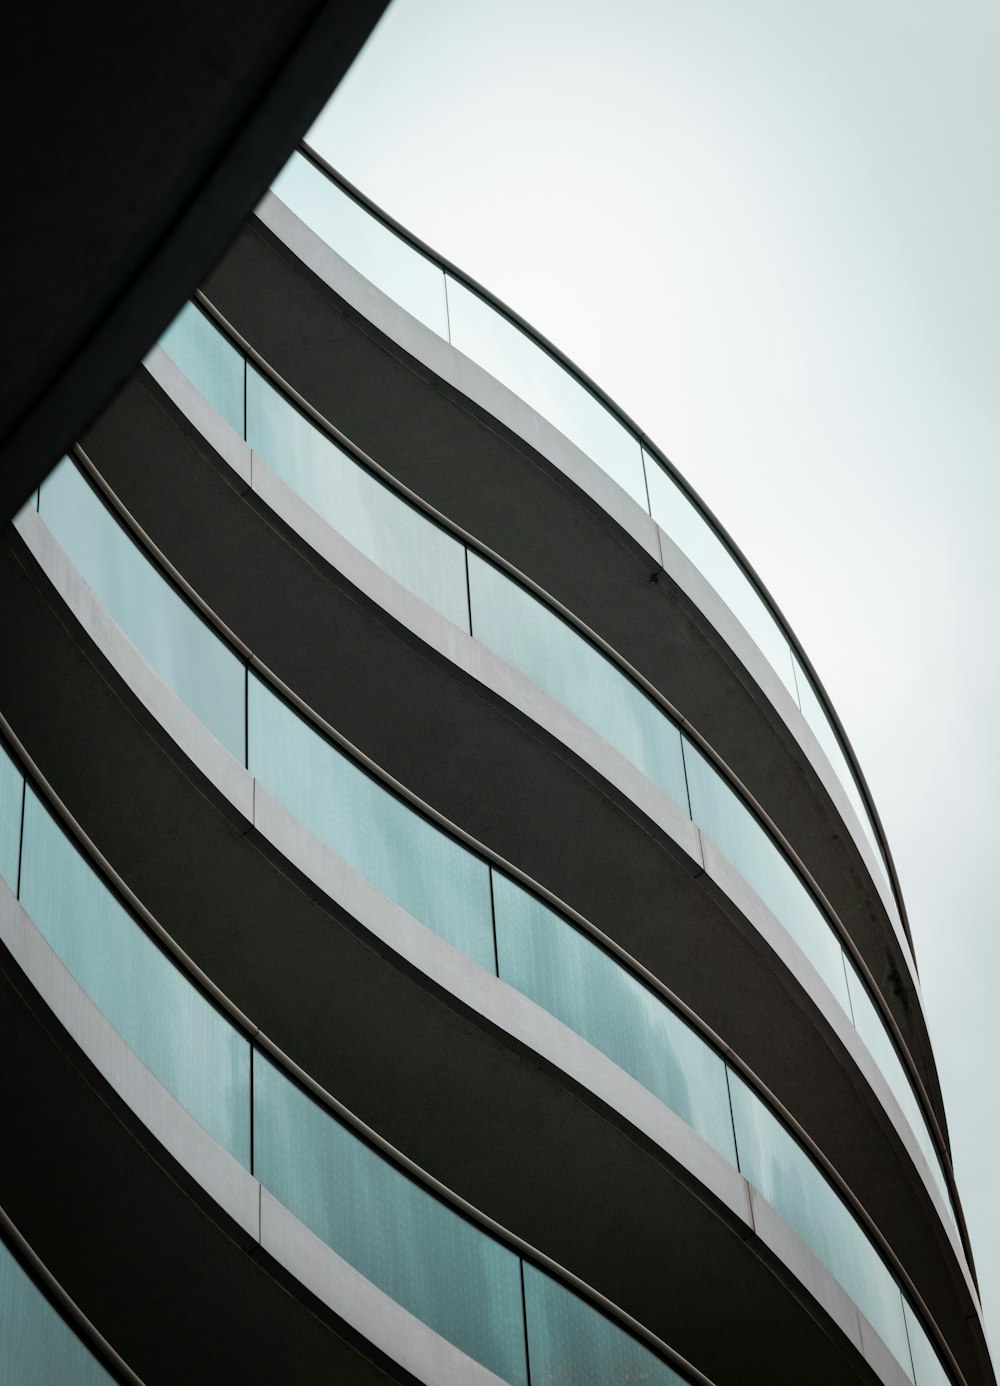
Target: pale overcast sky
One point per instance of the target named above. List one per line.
(769, 229)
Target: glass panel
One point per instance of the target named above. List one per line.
(777, 1166)
(679, 518)
(871, 1028)
(524, 632)
(927, 1368)
(392, 265)
(570, 1344)
(11, 786)
(210, 362)
(743, 841)
(392, 533)
(182, 649)
(526, 368)
(189, 1046)
(382, 838)
(37, 1345)
(812, 711)
(557, 966)
(450, 1275)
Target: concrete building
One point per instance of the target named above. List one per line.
(447, 936)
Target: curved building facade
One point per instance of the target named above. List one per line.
(447, 936)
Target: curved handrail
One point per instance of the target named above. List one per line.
(644, 441)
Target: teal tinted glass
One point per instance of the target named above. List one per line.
(382, 838)
(420, 1252)
(510, 356)
(182, 649)
(872, 1029)
(189, 1046)
(553, 963)
(679, 518)
(548, 651)
(777, 1166)
(389, 531)
(819, 723)
(571, 1344)
(211, 362)
(11, 790)
(37, 1345)
(927, 1368)
(389, 262)
(742, 840)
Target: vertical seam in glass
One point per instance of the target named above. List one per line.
(524, 1321)
(20, 834)
(732, 1120)
(246, 713)
(795, 677)
(493, 921)
(244, 359)
(850, 998)
(447, 307)
(252, 1152)
(468, 589)
(687, 786)
(645, 477)
(795, 681)
(909, 1345)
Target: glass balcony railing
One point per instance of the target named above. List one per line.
(454, 892)
(487, 602)
(463, 314)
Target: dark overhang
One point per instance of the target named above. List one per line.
(137, 139)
